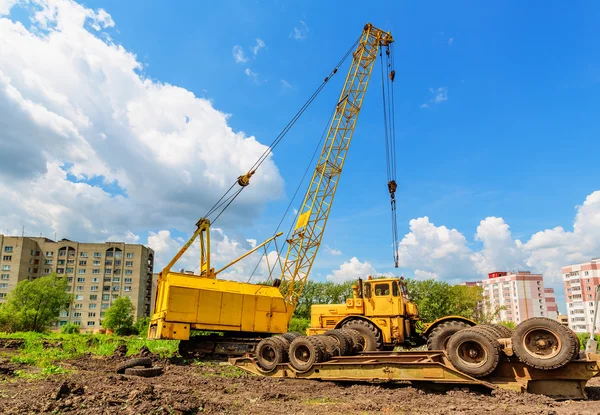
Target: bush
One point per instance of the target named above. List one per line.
(141, 326)
(70, 328)
(119, 317)
(584, 337)
(299, 325)
(510, 324)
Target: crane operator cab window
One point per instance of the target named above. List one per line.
(382, 289)
(367, 290)
(395, 290)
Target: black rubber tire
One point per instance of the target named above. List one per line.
(145, 372)
(270, 352)
(357, 341)
(345, 343)
(506, 332)
(577, 348)
(290, 335)
(480, 340)
(305, 351)
(142, 361)
(371, 334)
(543, 358)
(439, 336)
(490, 328)
(332, 347)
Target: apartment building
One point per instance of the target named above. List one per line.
(97, 273)
(517, 296)
(580, 282)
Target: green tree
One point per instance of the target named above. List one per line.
(119, 316)
(322, 293)
(34, 305)
(141, 326)
(436, 299)
(70, 328)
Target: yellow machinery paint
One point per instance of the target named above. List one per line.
(201, 302)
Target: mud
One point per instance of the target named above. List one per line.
(212, 387)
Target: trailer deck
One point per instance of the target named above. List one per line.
(434, 367)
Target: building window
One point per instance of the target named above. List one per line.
(115, 296)
(4, 277)
(106, 288)
(61, 262)
(105, 297)
(3, 285)
(93, 297)
(95, 271)
(587, 273)
(92, 306)
(97, 254)
(49, 253)
(91, 315)
(78, 305)
(116, 279)
(2, 295)
(95, 279)
(94, 288)
(128, 272)
(48, 262)
(102, 314)
(8, 249)
(77, 323)
(70, 262)
(588, 288)
(128, 263)
(70, 279)
(117, 263)
(82, 263)
(128, 288)
(108, 263)
(7, 257)
(81, 271)
(108, 271)
(104, 306)
(128, 280)
(96, 263)
(587, 281)
(64, 313)
(116, 288)
(129, 254)
(117, 271)
(80, 279)
(91, 323)
(69, 270)
(76, 314)
(79, 288)
(83, 254)
(5, 267)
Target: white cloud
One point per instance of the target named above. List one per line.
(354, 269)
(450, 41)
(252, 75)
(438, 95)
(260, 44)
(238, 54)
(145, 155)
(332, 251)
(285, 84)
(299, 32)
(439, 252)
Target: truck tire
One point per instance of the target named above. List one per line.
(357, 341)
(371, 334)
(290, 336)
(145, 372)
(439, 336)
(345, 343)
(332, 347)
(577, 348)
(543, 343)
(305, 351)
(490, 328)
(143, 361)
(505, 331)
(474, 352)
(270, 352)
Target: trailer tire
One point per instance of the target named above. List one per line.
(305, 351)
(270, 352)
(490, 328)
(506, 332)
(357, 341)
(577, 348)
(332, 347)
(370, 333)
(474, 351)
(440, 335)
(145, 372)
(143, 361)
(291, 335)
(344, 341)
(543, 343)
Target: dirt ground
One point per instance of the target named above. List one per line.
(210, 387)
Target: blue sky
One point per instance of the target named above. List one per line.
(512, 135)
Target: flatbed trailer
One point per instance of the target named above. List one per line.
(434, 367)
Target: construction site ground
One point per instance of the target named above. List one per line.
(193, 387)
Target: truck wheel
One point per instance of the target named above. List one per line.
(345, 343)
(305, 352)
(505, 331)
(543, 343)
(357, 341)
(270, 352)
(491, 329)
(372, 336)
(439, 336)
(474, 352)
(332, 347)
(143, 361)
(290, 336)
(577, 348)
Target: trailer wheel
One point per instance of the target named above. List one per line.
(439, 336)
(372, 336)
(577, 347)
(491, 329)
(305, 352)
(290, 336)
(270, 352)
(345, 343)
(357, 341)
(332, 347)
(505, 331)
(543, 343)
(474, 352)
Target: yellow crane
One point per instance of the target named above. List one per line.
(243, 312)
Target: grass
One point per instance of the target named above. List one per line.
(33, 352)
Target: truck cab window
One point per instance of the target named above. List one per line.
(395, 291)
(367, 290)
(382, 289)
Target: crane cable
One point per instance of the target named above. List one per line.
(243, 181)
(389, 125)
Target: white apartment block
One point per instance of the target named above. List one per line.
(580, 282)
(518, 296)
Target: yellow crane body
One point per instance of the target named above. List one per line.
(187, 302)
